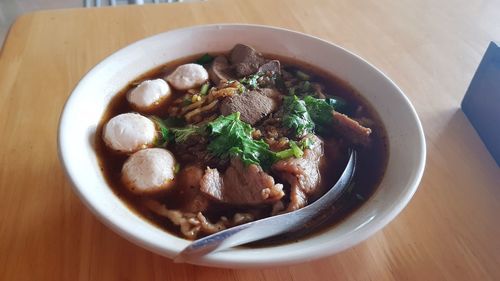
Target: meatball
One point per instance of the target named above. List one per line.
(129, 132)
(188, 76)
(149, 94)
(149, 171)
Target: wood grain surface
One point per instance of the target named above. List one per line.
(449, 231)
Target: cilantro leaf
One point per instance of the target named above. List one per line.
(165, 134)
(233, 138)
(182, 134)
(339, 104)
(296, 116)
(320, 112)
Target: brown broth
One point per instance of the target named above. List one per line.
(372, 161)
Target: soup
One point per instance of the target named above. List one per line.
(209, 142)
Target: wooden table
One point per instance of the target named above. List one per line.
(449, 231)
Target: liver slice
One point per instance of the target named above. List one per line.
(252, 106)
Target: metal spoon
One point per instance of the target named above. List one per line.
(271, 226)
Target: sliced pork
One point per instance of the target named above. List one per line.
(350, 129)
(303, 174)
(241, 185)
(188, 185)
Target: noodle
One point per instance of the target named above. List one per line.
(192, 106)
(199, 110)
(209, 106)
(192, 113)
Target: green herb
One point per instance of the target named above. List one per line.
(241, 88)
(165, 133)
(303, 76)
(306, 142)
(320, 110)
(339, 104)
(297, 152)
(296, 116)
(294, 150)
(177, 168)
(204, 89)
(205, 59)
(233, 138)
(251, 81)
(284, 154)
(182, 134)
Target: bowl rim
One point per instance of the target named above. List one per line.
(225, 259)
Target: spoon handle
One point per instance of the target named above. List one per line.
(271, 226)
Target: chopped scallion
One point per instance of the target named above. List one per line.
(294, 151)
(204, 89)
(297, 152)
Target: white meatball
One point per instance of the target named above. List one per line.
(149, 94)
(188, 76)
(149, 170)
(129, 132)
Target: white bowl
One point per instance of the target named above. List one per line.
(89, 100)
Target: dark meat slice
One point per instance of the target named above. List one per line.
(188, 185)
(251, 105)
(245, 60)
(272, 66)
(272, 93)
(350, 129)
(220, 70)
(303, 174)
(241, 185)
